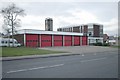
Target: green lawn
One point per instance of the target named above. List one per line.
(116, 46)
(22, 51)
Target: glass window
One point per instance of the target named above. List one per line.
(5, 41)
(101, 27)
(16, 42)
(90, 26)
(2, 41)
(11, 42)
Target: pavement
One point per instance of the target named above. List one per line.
(89, 65)
(81, 49)
(72, 50)
(36, 56)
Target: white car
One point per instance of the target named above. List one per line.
(8, 42)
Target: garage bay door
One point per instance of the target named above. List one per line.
(68, 40)
(84, 40)
(76, 40)
(58, 40)
(46, 40)
(31, 40)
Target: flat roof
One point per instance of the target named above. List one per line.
(69, 26)
(33, 31)
(95, 37)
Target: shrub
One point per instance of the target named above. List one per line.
(98, 44)
(106, 44)
(101, 44)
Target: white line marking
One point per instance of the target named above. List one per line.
(35, 68)
(83, 55)
(92, 59)
(57, 65)
(94, 53)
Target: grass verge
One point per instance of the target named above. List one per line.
(23, 51)
(116, 46)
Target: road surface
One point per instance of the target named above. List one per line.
(92, 65)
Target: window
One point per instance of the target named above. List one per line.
(33, 40)
(6, 42)
(68, 40)
(101, 27)
(11, 42)
(15, 42)
(90, 33)
(90, 26)
(58, 40)
(2, 41)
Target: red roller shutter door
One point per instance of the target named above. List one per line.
(46, 40)
(57, 40)
(76, 40)
(31, 40)
(84, 40)
(68, 40)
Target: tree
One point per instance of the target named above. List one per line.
(11, 21)
(1, 34)
(118, 37)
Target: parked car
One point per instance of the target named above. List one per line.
(8, 42)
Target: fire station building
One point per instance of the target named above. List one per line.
(41, 38)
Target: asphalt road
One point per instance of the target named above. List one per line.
(92, 65)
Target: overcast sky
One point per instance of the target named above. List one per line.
(67, 14)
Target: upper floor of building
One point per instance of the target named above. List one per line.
(91, 29)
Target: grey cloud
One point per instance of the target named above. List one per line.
(105, 11)
(45, 8)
